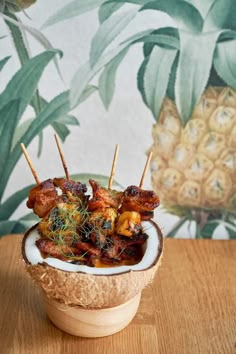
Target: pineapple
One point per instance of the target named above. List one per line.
(196, 167)
(188, 81)
(193, 168)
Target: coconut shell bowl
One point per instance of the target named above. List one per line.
(80, 299)
(87, 301)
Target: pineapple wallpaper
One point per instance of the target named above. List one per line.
(155, 75)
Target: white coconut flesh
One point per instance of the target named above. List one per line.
(151, 250)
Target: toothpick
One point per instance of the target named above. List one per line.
(113, 166)
(30, 163)
(145, 169)
(62, 157)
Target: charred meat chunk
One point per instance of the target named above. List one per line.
(42, 198)
(103, 197)
(87, 247)
(139, 200)
(50, 248)
(71, 190)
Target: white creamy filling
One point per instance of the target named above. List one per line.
(152, 244)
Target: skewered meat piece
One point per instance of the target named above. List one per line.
(142, 201)
(103, 198)
(105, 230)
(42, 198)
(72, 190)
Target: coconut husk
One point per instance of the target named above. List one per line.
(92, 291)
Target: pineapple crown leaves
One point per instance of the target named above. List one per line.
(201, 49)
(72, 9)
(178, 61)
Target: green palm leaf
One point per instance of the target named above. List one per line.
(11, 227)
(53, 111)
(221, 15)
(172, 78)
(108, 31)
(61, 130)
(12, 203)
(135, 2)
(2, 5)
(85, 73)
(60, 126)
(137, 37)
(20, 131)
(167, 37)
(23, 52)
(225, 62)
(208, 229)
(186, 16)
(140, 79)
(87, 92)
(9, 116)
(106, 85)
(68, 119)
(156, 77)
(28, 220)
(203, 6)
(73, 9)
(195, 61)
(3, 62)
(24, 83)
(107, 9)
(36, 34)
(17, 37)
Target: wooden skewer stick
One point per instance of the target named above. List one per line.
(145, 169)
(30, 163)
(62, 157)
(113, 166)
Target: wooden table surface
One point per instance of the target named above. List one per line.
(189, 309)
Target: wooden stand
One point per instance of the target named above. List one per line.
(91, 323)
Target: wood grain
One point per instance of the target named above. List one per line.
(189, 309)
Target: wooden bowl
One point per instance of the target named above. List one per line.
(83, 322)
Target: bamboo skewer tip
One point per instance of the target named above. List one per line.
(30, 163)
(113, 166)
(145, 169)
(62, 157)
